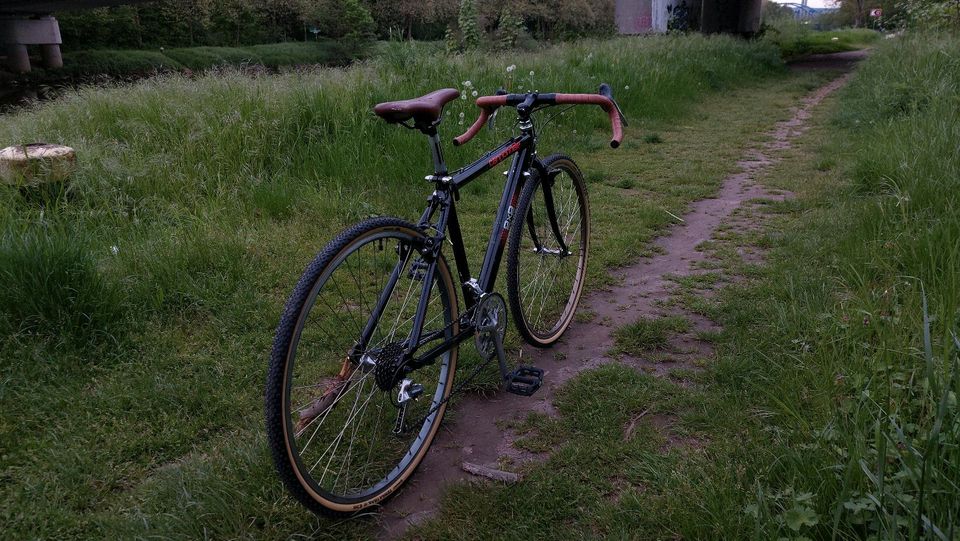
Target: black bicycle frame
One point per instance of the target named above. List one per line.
(441, 218)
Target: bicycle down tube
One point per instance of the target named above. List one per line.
(442, 205)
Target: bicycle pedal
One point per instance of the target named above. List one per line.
(524, 381)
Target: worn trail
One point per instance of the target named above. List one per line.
(472, 434)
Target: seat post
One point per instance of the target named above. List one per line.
(439, 166)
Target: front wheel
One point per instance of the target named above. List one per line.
(340, 441)
(547, 252)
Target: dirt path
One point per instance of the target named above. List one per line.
(473, 435)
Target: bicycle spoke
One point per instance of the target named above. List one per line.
(546, 279)
(346, 448)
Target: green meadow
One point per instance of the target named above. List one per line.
(139, 300)
(830, 409)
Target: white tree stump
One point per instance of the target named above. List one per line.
(36, 163)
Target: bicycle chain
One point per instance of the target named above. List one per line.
(458, 388)
(468, 379)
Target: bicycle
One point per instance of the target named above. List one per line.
(363, 359)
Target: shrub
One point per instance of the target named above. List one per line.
(116, 63)
(198, 58)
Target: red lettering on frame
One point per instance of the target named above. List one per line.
(503, 155)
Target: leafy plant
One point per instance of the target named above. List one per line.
(467, 20)
(509, 29)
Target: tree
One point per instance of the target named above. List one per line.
(412, 19)
(347, 20)
(509, 29)
(933, 14)
(469, 24)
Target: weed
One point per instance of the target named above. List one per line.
(53, 288)
(646, 334)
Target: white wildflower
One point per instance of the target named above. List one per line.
(468, 84)
(626, 87)
(474, 93)
(531, 74)
(114, 249)
(511, 67)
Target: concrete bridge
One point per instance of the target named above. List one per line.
(804, 12)
(708, 16)
(26, 23)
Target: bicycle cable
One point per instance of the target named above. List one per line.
(553, 116)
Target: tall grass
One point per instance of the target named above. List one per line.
(133, 62)
(53, 288)
(856, 348)
(795, 39)
(195, 205)
(905, 247)
(167, 155)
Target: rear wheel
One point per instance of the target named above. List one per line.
(547, 252)
(331, 398)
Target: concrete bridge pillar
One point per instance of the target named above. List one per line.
(18, 61)
(730, 16)
(50, 53)
(18, 32)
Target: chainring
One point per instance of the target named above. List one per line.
(491, 314)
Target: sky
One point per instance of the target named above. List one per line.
(811, 3)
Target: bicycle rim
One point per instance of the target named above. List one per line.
(338, 422)
(545, 275)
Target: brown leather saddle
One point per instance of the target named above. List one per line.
(424, 110)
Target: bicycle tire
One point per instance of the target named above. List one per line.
(527, 252)
(287, 448)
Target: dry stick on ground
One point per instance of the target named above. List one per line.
(628, 432)
(490, 473)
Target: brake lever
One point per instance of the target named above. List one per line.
(500, 92)
(623, 118)
(606, 92)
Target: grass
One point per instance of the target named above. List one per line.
(795, 40)
(71, 301)
(880, 314)
(830, 411)
(198, 202)
(130, 63)
(647, 333)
